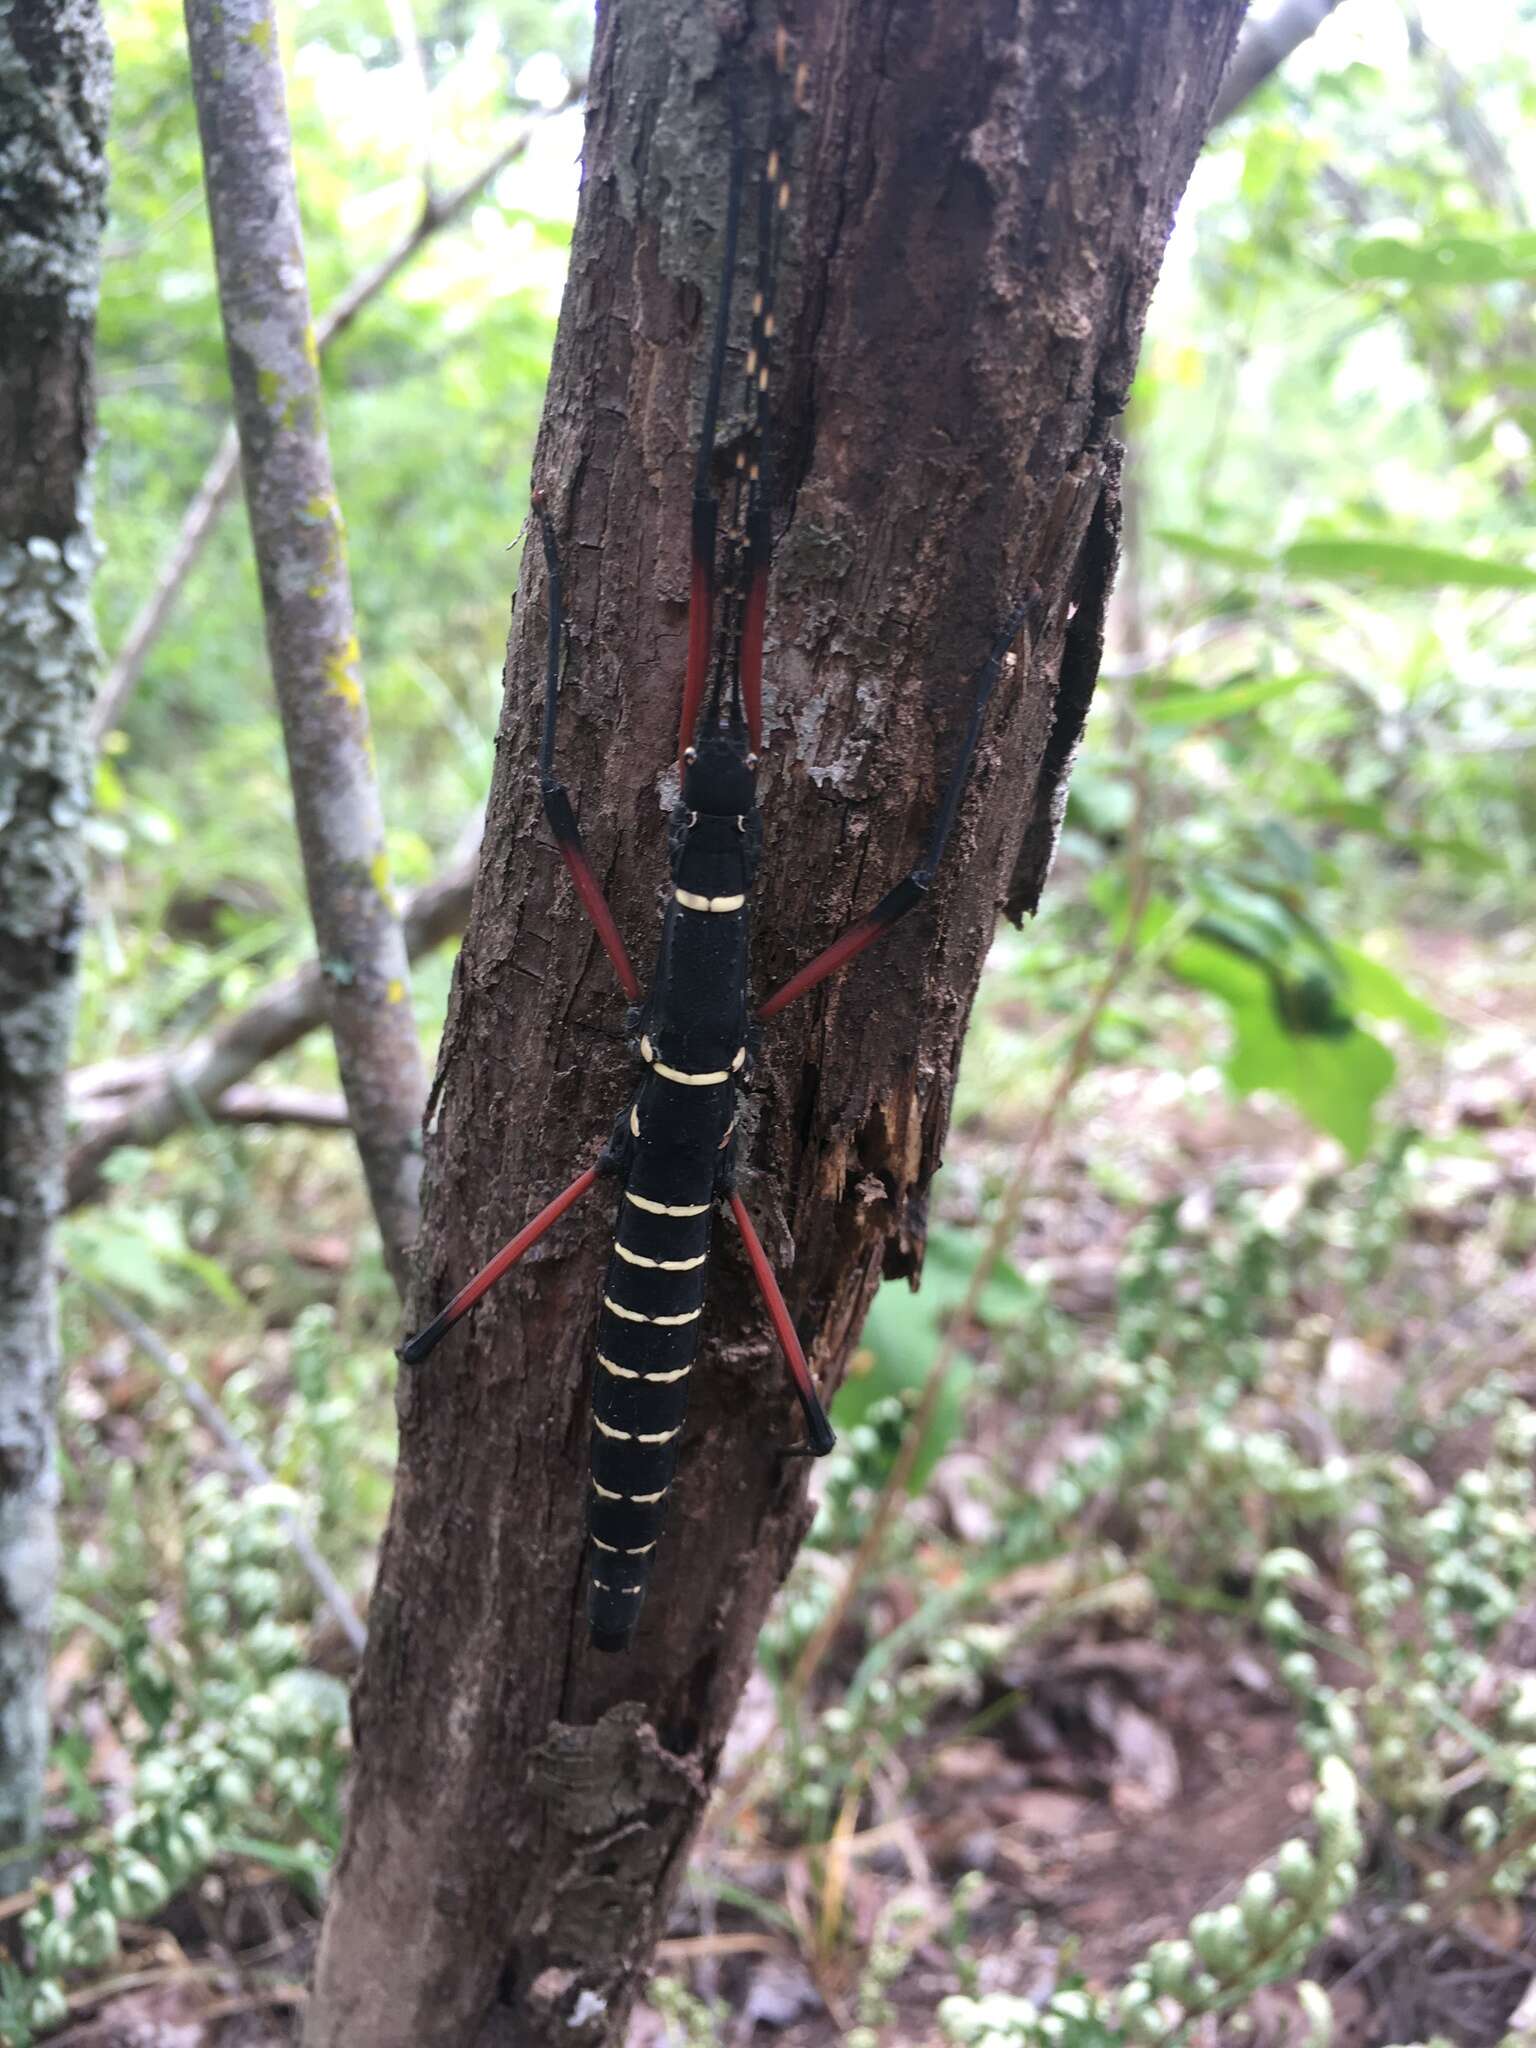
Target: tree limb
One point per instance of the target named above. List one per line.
(1264, 47)
(306, 595)
(163, 1094)
(221, 477)
(313, 1109)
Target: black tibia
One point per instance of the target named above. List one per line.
(912, 888)
(557, 802)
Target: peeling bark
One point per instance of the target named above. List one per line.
(55, 89)
(306, 595)
(982, 196)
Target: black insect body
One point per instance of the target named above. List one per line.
(673, 1150)
(675, 1154)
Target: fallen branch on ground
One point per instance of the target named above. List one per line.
(171, 1091)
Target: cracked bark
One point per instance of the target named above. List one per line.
(306, 596)
(982, 196)
(55, 89)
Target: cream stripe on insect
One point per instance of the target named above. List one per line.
(656, 1379)
(661, 1265)
(630, 1436)
(711, 1080)
(633, 1315)
(639, 1500)
(690, 901)
(666, 1208)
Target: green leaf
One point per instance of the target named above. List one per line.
(1335, 1081)
(1100, 802)
(1465, 854)
(1449, 259)
(902, 1333)
(1402, 565)
(1377, 991)
(1316, 1056)
(1351, 815)
(1226, 700)
(948, 1264)
(1203, 549)
(895, 1354)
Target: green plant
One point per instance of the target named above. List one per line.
(236, 1746)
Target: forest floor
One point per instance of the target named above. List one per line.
(1132, 1765)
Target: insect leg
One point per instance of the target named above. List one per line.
(773, 200)
(557, 802)
(416, 1348)
(913, 887)
(705, 504)
(817, 1425)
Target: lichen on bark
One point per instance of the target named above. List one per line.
(55, 85)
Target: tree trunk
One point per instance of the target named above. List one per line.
(980, 202)
(55, 87)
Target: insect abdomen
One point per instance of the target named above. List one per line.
(647, 1339)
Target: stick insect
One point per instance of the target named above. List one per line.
(694, 1033)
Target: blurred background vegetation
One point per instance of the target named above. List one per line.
(1223, 1497)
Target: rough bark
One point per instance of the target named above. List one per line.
(306, 595)
(55, 89)
(981, 200)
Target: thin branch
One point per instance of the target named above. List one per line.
(1265, 46)
(306, 594)
(221, 477)
(193, 1081)
(150, 620)
(313, 1109)
(208, 1412)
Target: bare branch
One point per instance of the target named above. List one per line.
(164, 1094)
(312, 1108)
(217, 1423)
(306, 594)
(149, 621)
(1265, 46)
(221, 477)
